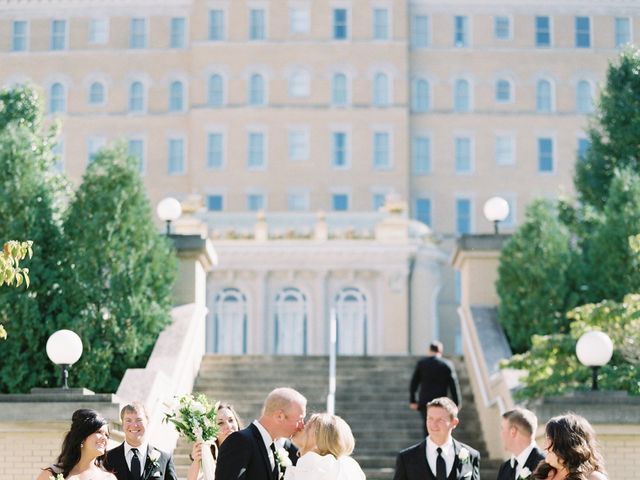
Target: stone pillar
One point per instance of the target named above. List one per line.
(196, 257)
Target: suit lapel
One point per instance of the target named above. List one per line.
(420, 464)
(262, 449)
(119, 462)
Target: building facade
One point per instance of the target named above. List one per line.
(299, 105)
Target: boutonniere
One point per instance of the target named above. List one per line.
(524, 473)
(463, 455)
(57, 477)
(282, 457)
(154, 456)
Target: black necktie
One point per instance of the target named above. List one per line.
(135, 464)
(513, 468)
(276, 469)
(441, 466)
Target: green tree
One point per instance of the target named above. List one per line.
(534, 277)
(10, 270)
(119, 285)
(614, 132)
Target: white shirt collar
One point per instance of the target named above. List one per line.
(448, 453)
(266, 438)
(522, 458)
(142, 453)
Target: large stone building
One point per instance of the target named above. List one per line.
(299, 105)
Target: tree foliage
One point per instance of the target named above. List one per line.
(121, 275)
(534, 277)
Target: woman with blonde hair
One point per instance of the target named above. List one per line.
(325, 445)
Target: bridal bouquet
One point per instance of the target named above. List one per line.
(195, 418)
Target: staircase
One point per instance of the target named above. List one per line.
(371, 395)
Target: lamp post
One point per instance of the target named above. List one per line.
(594, 349)
(496, 210)
(64, 348)
(168, 210)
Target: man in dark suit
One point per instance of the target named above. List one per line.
(439, 456)
(435, 377)
(135, 459)
(250, 454)
(518, 436)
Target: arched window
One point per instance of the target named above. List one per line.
(176, 96)
(96, 93)
(421, 98)
(290, 321)
(339, 90)
(584, 99)
(544, 100)
(461, 100)
(57, 100)
(256, 89)
(230, 322)
(136, 97)
(215, 94)
(503, 91)
(351, 315)
(299, 84)
(381, 90)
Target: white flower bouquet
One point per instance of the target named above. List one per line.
(195, 418)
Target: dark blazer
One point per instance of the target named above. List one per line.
(436, 377)
(412, 464)
(534, 458)
(243, 455)
(164, 468)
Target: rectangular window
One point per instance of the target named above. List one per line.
(461, 31)
(298, 201)
(215, 151)
(298, 145)
(583, 145)
(583, 32)
(622, 31)
(298, 20)
(256, 24)
(340, 25)
(58, 34)
(19, 36)
(380, 24)
(94, 144)
(255, 155)
(501, 28)
(178, 32)
(378, 201)
(175, 163)
(340, 202)
(339, 150)
(420, 31)
(545, 155)
(423, 210)
(381, 151)
(463, 161)
(543, 31)
(421, 155)
(215, 203)
(136, 150)
(463, 216)
(216, 25)
(255, 202)
(505, 150)
(98, 31)
(138, 33)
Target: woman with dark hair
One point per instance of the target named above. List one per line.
(228, 422)
(572, 451)
(83, 449)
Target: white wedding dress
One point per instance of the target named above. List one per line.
(312, 466)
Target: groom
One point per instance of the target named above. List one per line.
(439, 456)
(135, 459)
(249, 454)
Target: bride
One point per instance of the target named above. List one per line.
(325, 445)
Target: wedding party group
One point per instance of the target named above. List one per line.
(282, 444)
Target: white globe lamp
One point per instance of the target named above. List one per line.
(594, 349)
(496, 210)
(64, 348)
(169, 210)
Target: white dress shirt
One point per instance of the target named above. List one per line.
(448, 453)
(142, 455)
(266, 438)
(522, 458)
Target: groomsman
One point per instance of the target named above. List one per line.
(518, 436)
(439, 456)
(433, 377)
(135, 459)
(249, 454)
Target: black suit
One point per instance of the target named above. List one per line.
(164, 470)
(243, 455)
(412, 464)
(534, 458)
(436, 377)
